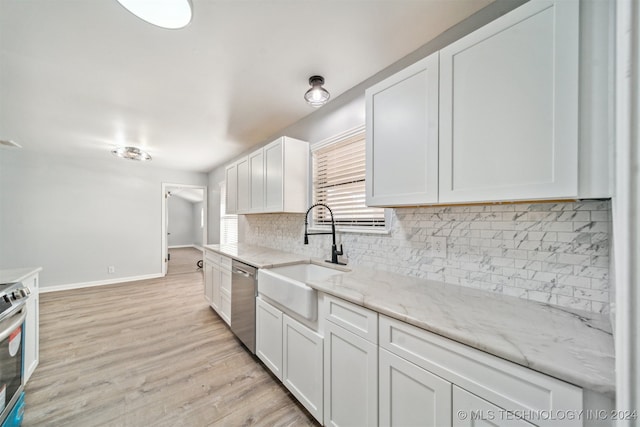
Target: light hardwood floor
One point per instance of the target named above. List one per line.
(148, 353)
(183, 260)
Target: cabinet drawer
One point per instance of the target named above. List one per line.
(508, 385)
(359, 320)
(211, 257)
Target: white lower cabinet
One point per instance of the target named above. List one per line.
(503, 385)
(302, 364)
(217, 283)
(470, 410)
(269, 336)
(359, 368)
(411, 396)
(208, 283)
(293, 352)
(350, 378)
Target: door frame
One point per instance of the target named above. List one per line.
(164, 216)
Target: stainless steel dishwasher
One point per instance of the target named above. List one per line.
(244, 285)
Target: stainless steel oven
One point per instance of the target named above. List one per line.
(13, 311)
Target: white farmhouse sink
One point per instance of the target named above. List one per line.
(287, 286)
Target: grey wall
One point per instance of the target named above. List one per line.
(195, 220)
(75, 218)
(347, 111)
(181, 224)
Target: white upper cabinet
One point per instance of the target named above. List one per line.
(256, 181)
(243, 185)
(402, 137)
(231, 183)
(509, 107)
(274, 176)
(516, 110)
(272, 179)
(286, 175)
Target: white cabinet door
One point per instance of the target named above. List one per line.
(509, 107)
(469, 410)
(243, 185)
(273, 176)
(231, 186)
(216, 295)
(302, 365)
(256, 176)
(402, 137)
(269, 336)
(411, 396)
(350, 379)
(225, 295)
(225, 307)
(32, 328)
(208, 283)
(272, 179)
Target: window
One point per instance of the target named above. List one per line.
(228, 222)
(338, 181)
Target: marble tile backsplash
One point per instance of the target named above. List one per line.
(557, 253)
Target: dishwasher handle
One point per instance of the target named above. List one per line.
(236, 270)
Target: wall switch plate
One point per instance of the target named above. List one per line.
(439, 247)
(111, 269)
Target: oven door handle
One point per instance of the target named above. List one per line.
(16, 321)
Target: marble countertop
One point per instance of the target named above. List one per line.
(17, 274)
(257, 256)
(570, 345)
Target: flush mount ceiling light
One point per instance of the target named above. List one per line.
(131, 153)
(317, 96)
(171, 14)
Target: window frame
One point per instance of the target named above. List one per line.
(313, 226)
(226, 216)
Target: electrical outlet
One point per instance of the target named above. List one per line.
(439, 247)
(111, 269)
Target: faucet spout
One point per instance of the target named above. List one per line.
(334, 249)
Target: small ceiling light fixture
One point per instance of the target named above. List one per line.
(317, 96)
(131, 153)
(170, 14)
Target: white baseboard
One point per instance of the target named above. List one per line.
(184, 246)
(44, 289)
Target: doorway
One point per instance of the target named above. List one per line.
(184, 226)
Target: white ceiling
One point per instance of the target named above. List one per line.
(78, 77)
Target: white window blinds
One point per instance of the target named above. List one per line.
(228, 222)
(338, 181)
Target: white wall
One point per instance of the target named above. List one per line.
(213, 208)
(196, 231)
(75, 218)
(181, 225)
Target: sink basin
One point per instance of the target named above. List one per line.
(287, 287)
(306, 272)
